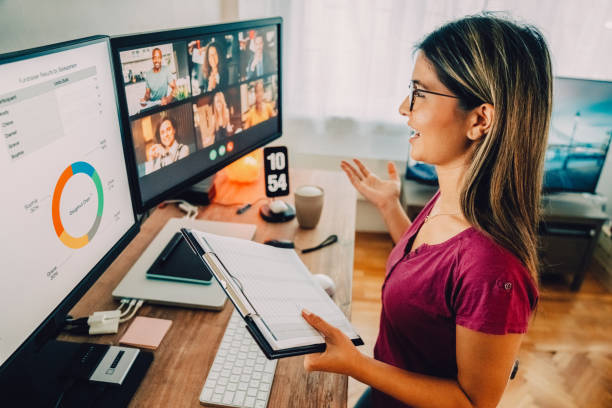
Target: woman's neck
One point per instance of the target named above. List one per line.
(450, 179)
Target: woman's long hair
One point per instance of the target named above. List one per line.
(486, 59)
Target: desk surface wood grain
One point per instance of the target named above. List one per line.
(186, 353)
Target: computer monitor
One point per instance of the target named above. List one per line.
(578, 141)
(195, 100)
(66, 205)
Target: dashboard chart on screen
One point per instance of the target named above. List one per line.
(67, 200)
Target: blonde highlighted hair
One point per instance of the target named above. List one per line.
(487, 59)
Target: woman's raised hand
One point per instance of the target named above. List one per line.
(376, 190)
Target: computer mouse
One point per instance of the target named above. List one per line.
(280, 243)
(326, 283)
(278, 206)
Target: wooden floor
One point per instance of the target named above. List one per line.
(565, 358)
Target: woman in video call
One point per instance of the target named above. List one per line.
(213, 68)
(167, 150)
(461, 282)
(221, 115)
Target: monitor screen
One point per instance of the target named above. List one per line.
(197, 99)
(66, 200)
(578, 140)
(580, 134)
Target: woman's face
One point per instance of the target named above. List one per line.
(166, 133)
(213, 57)
(439, 123)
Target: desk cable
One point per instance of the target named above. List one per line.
(191, 211)
(104, 322)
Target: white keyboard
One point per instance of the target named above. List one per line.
(241, 375)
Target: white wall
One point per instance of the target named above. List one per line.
(31, 23)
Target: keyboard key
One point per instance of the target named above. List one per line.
(249, 402)
(252, 392)
(261, 403)
(228, 397)
(206, 394)
(239, 398)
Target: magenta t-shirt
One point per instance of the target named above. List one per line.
(468, 280)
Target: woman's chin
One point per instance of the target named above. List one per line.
(416, 154)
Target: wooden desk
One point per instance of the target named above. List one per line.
(185, 355)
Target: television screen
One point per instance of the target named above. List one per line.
(580, 133)
(578, 141)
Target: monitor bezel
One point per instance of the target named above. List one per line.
(51, 325)
(126, 42)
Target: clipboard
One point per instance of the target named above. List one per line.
(262, 326)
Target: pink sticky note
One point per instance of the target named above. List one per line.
(146, 332)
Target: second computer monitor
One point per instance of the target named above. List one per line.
(196, 99)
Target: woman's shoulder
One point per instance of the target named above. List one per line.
(482, 257)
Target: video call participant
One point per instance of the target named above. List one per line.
(221, 115)
(167, 150)
(158, 79)
(255, 67)
(261, 110)
(214, 72)
(461, 282)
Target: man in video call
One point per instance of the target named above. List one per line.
(261, 111)
(256, 64)
(157, 81)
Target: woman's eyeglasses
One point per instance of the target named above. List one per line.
(414, 92)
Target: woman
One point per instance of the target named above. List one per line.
(213, 71)
(221, 115)
(461, 282)
(167, 150)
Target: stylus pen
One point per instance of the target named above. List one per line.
(170, 247)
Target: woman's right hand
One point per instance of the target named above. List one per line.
(376, 190)
(155, 151)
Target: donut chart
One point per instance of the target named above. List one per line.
(67, 239)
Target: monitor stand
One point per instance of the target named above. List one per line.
(200, 193)
(59, 375)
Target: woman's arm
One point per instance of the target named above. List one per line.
(384, 194)
(484, 362)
